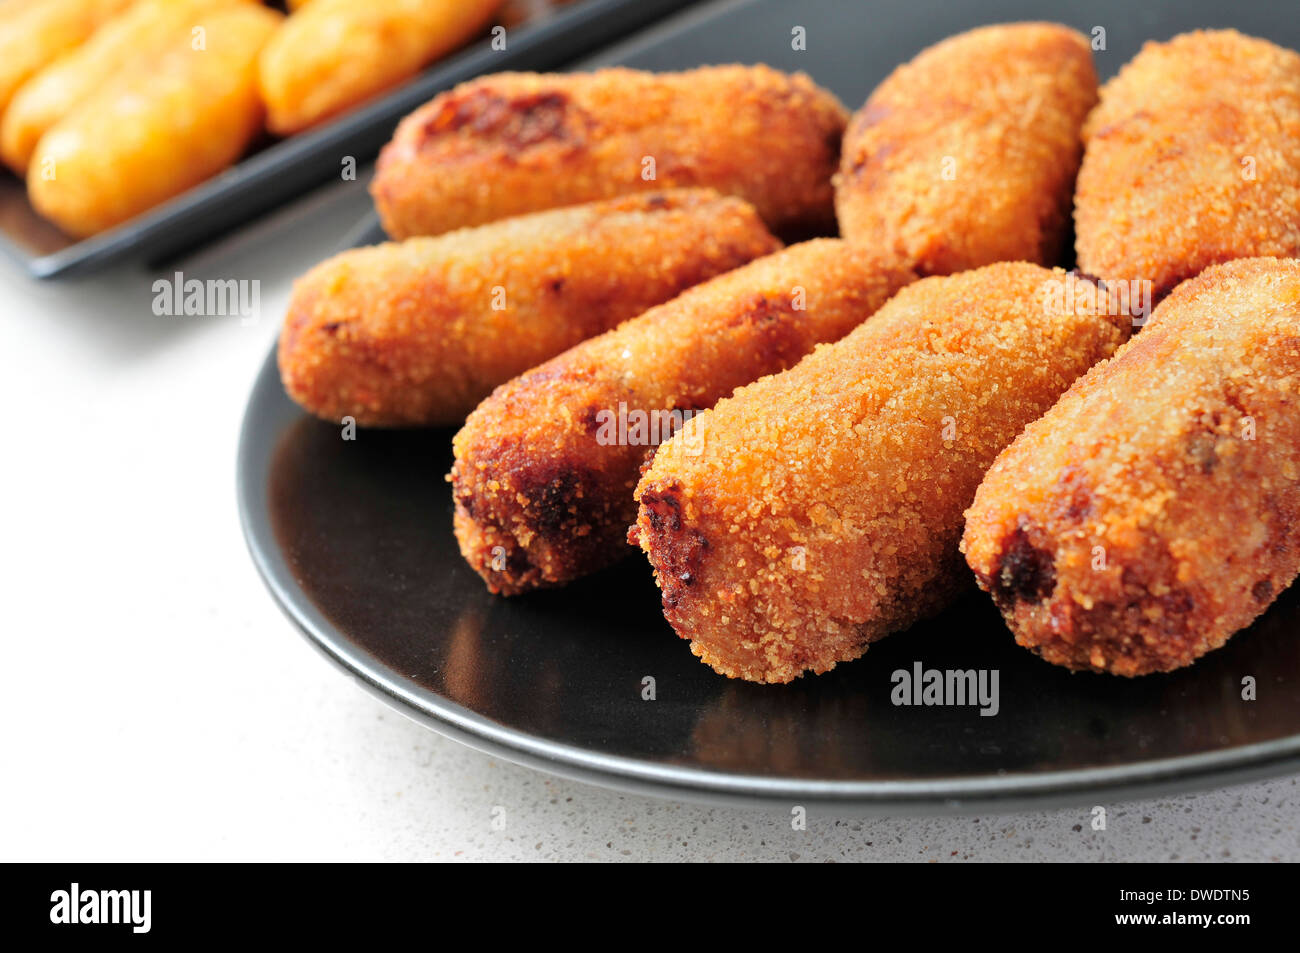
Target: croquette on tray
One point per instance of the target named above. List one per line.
(136, 143)
(35, 34)
(334, 54)
(130, 42)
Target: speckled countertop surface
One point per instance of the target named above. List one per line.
(158, 706)
(433, 799)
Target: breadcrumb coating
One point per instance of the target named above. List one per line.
(967, 154)
(546, 466)
(1192, 159)
(826, 507)
(519, 142)
(416, 333)
(1155, 510)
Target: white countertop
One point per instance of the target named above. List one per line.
(158, 706)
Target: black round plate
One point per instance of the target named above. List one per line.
(354, 540)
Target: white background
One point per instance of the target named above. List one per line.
(157, 706)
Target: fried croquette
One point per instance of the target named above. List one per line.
(1192, 159)
(157, 133)
(133, 39)
(35, 35)
(967, 154)
(546, 466)
(416, 333)
(1155, 510)
(825, 508)
(335, 54)
(520, 142)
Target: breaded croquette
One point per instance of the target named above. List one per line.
(336, 54)
(546, 466)
(519, 142)
(416, 333)
(1155, 510)
(825, 508)
(1192, 158)
(967, 154)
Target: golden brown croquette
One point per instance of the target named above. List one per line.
(519, 142)
(825, 508)
(1155, 510)
(1192, 158)
(416, 333)
(967, 154)
(546, 466)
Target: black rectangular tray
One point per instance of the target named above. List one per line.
(287, 168)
